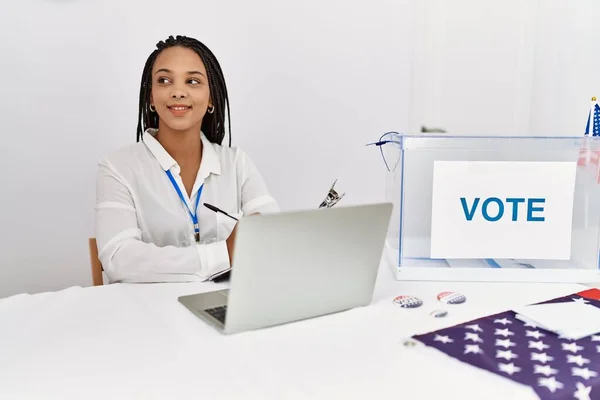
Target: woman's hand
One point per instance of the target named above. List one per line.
(231, 243)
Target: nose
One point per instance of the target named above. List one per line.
(178, 91)
(179, 94)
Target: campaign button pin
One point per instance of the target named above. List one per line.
(408, 301)
(451, 298)
(439, 313)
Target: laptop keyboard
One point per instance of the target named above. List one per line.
(218, 313)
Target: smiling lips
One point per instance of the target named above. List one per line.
(179, 110)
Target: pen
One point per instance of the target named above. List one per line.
(218, 210)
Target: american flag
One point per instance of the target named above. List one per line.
(593, 121)
(553, 366)
(587, 156)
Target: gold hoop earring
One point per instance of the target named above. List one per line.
(152, 108)
(211, 109)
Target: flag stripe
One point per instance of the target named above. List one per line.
(593, 294)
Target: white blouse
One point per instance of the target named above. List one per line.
(143, 229)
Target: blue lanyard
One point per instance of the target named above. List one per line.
(194, 216)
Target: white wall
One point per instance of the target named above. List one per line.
(567, 62)
(515, 67)
(472, 73)
(310, 83)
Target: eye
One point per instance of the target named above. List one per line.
(194, 81)
(162, 80)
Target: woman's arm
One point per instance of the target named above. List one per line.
(126, 258)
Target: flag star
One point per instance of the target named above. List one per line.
(551, 383)
(538, 345)
(529, 324)
(596, 338)
(475, 327)
(598, 349)
(565, 337)
(583, 392)
(502, 321)
(581, 300)
(472, 348)
(579, 360)
(544, 369)
(508, 368)
(584, 373)
(503, 332)
(572, 347)
(506, 343)
(506, 354)
(473, 336)
(443, 339)
(541, 357)
(534, 334)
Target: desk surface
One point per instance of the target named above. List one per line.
(137, 341)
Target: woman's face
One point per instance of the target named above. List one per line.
(180, 91)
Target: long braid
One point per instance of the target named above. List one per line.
(145, 88)
(213, 125)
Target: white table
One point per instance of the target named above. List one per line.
(137, 342)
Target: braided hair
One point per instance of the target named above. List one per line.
(213, 124)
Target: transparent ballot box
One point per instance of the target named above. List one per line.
(493, 208)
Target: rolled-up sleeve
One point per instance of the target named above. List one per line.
(254, 193)
(123, 254)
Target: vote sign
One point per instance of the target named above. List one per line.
(502, 209)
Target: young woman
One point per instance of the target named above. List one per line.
(151, 224)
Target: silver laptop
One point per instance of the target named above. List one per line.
(297, 265)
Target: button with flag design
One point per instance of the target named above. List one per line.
(405, 301)
(451, 298)
(439, 313)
